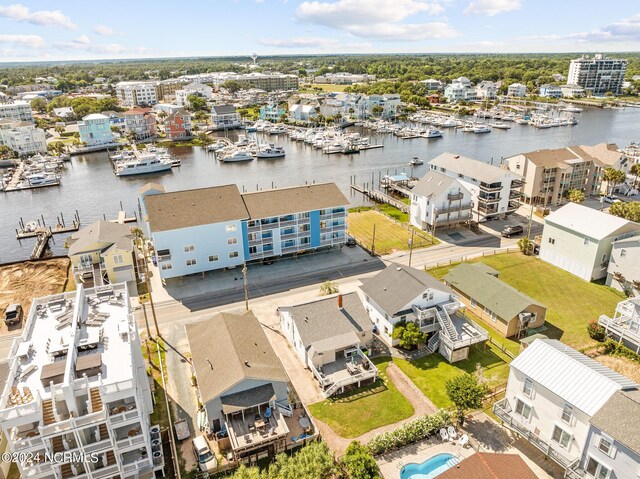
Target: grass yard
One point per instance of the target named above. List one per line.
(330, 87)
(571, 302)
(390, 236)
(365, 409)
(430, 373)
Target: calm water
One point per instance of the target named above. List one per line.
(89, 185)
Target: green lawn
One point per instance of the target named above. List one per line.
(571, 302)
(430, 373)
(360, 411)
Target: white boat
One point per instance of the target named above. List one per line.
(432, 133)
(521, 121)
(251, 128)
(278, 130)
(141, 166)
(41, 179)
(482, 129)
(242, 141)
(236, 155)
(572, 109)
(270, 151)
(415, 161)
(174, 162)
(500, 126)
(468, 129)
(218, 145)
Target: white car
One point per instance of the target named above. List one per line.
(610, 199)
(206, 459)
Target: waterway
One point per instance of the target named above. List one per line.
(89, 185)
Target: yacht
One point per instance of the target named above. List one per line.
(270, 151)
(236, 155)
(415, 161)
(251, 128)
(572, 109)
(499, 125)
(521, 121)
(140, 166)
(42, 179)
(278, 130)
(468, 129)
(432, 133)
(242, 141)
(218, 145)
(482, 129)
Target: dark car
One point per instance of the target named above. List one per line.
(511, 230)
(350, 241)
(13, 314)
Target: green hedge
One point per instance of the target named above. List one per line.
(409, 432)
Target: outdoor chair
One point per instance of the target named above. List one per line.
(464, 440)
(453, 435)
(444, 435)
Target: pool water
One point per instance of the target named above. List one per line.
(430, 468)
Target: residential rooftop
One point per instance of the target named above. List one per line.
(485, 465)
(433, 184)
(476, 169)
(84, 240)
(588, 221)
(620, 418)
(579, 380)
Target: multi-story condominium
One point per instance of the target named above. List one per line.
(204, 91)
(18, 111)
(549, 174)
(390, 104)
(438, 200)
(579, 239)
(572, 91)
(212, 228)
(343, 78)
(137, 93)
(78, 393)
(623, 272)
(517, 90)
(599, 74)
(261, 81)
(116, 119)
(624, 326)
(432, 84)
(166, 89)
(550, 91)
(22, 137)
(399, 294)
(225, 117)
(486, 90)
(141, 122)
(95, 130)
(494, 190)
(553, 392)
(177, 126)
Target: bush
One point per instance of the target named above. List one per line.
(613, 348)
(408, 334)
(596, 331)
(409, 432)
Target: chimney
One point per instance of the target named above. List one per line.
(340, 300)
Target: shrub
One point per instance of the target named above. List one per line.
(408, 335)
(596, 331)
(614, 348)
(409, 432)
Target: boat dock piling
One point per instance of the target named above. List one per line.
(379, 196)
(24, 232)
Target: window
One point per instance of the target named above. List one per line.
(165, 266)
(230, 228)
(527, 388)
(267, 234)
(267, 247)
(473, 303)
(253, 249)
(623, 253)
(213, 258)
(191, 262)
(597, 470)
(252, 236)
(233, 254)
(523, 409)
(117, 259)
(189, 248)
(428, 296)
(567, 413)
(304, 240)
(323, 224)
(606, 445)
(233, 240)
(494, 317)
(552, 241)
(562, 437)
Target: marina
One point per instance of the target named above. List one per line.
(88, 182)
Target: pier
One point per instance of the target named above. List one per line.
(35, 228)
(41, 244)
(380, 197)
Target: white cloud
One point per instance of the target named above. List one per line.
(31, 41)
(492, 7)
(84, 43)
(104, 30)
(317, 43)
(404, 32)
(41, 17)
(627, 29)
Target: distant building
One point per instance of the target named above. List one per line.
(344, 78)
(225, 117)
(198, 89)
(599, 74)
(432, 84)
(579, 239)
(168, 108)
(261, 81)
(460, 89)
(572, 91)
(116, 119)
(623, 272)
(517, 90)
(550, 91)
(137, 93)
(558, 77)
(300, 112)
(22, 137)
(272, 112)
(18, 110)
(95, 129)
(141, 122)
(64, 112)
(177, 126)
(486, 90)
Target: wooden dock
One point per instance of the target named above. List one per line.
(381, 197)
(371, 147)
(22, 232)
(123, 218)
(41, 244)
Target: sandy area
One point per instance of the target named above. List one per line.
(21, 282)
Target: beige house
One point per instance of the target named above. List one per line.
(103, 252)
(499, 304)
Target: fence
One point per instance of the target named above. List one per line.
(460, 259)
(502, 348)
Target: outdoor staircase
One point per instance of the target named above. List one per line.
(58, 445)
(102, 432)
(96, 399)
(47, 412)
(111, 458)
(434, 343)
(447, 324)
(66, 471)
(454, 461)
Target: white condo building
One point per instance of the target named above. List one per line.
(598, 74)
(78, 386)
(19, 111)
(22, 137)
(133, 93)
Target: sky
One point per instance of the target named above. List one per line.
(73, 30)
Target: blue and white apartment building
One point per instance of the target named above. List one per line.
(205, 229)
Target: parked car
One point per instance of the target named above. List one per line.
(13, 314)
(350, 241)
(206, 459)
(511, 230)
(610, 199)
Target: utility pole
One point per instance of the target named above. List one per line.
(373, 240)
(246, 291)
(146, 319)
(148, 283)
(411, 246)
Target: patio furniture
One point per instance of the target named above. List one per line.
(267, 413)
(260, 423)
(452, 433)
(304, 423)
(27, 396)
(352, 368)
(464, 440)
(443, 434)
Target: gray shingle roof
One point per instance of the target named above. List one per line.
(472, 168)
(394, 287)
(620, 418)
(322, 319)
(100, 232)
(479, 283)
(228, 349)
(433, 184)
(223, 109)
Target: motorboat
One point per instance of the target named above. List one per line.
(415, 161)
(42, 179)
(243, 140)
(500, 126)
(143, 165)
(236, 155)
(278, 130)
(174, 162)
(270, 151)
(572, 109)
(432, 133)
(468, 129)
(521, 121)
(218, 145)
(482, 129)
(251, 128)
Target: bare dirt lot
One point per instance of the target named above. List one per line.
(21, 282)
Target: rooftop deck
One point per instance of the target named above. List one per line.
(344, 372)
(250, 428)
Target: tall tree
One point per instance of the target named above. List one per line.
(359, 463)
(466, 393)
(39, 104)
(613, 178)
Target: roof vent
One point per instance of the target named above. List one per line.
(246, 363)
(399, 268)
(210, 364)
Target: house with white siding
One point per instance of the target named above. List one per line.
(623, 272)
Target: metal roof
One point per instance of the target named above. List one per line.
(473, 168)
(589, 222)
(579, 380)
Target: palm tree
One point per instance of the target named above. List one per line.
(613, 177)
(328, 287)
(635, 171)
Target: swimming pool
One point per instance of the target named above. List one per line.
(430, 468)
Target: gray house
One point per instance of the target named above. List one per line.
(240, 382)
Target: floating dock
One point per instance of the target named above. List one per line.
(24, 231)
